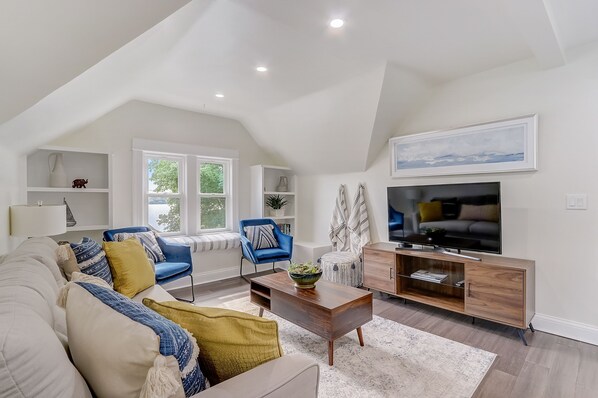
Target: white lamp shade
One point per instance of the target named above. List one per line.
(32, 221)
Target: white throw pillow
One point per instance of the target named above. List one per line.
(114, 353)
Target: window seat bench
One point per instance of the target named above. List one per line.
(207, 242)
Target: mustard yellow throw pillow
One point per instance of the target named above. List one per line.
(230, 342)
(130, 268)
(430, 211)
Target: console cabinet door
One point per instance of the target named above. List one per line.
(495, 293)
(379, 270)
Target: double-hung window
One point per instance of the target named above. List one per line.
(184, 189)
(164, 192)
(214, 194)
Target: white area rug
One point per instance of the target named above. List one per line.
(397, 361)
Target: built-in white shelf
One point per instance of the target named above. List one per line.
(88, 228)
(264, 183)
(68, 190)
(279, 193)
(91, 206)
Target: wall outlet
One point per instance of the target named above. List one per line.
(577, 201)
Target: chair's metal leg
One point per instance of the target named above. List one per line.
(255, 267)
(273, 270)
(192, 292)
(241, 267)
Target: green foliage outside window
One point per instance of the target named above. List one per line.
(212, 210)
(163, 176)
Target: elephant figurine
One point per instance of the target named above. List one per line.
(80, 183)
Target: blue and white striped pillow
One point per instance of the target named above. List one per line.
(174, 340)
(147, 240)
(91, 259)
(261, 236)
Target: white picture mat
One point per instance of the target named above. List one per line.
(501, 146)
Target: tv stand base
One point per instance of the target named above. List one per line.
(494, 288)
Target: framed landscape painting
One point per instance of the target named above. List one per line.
(502, 146)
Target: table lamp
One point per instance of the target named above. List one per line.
(37, 220)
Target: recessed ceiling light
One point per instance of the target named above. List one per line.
(219, 95)
(261, 69)
(336, 23)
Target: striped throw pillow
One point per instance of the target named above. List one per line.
(91, 259)
(148, 241)
(261, 236)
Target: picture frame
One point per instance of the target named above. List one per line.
(494, 147)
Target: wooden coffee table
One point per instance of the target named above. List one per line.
(329, 310)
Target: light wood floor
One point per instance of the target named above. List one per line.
(550, 367)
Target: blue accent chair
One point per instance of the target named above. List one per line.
(178, 262)
(283, 252)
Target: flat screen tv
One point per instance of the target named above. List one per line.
(450, 216)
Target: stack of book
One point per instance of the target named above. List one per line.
(429, 276)
(285, 228)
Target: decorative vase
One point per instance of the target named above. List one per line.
(57, 173)
(305, 281)
(283, 184)
(277, 212)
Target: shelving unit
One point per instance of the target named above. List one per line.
(499, 289)
(91, 206)
(264, 183)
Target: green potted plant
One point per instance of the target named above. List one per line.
(304, 275)
(276, 203)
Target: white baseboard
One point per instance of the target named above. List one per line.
(563, 327)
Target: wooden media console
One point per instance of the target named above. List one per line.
(499, 289)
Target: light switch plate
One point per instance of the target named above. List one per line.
(577, 201)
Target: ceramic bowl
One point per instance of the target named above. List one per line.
(305, 281)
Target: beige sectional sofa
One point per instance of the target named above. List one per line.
(34, 354)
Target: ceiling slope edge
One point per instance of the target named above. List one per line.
(328, 131)
(102, 88)
(402, 93)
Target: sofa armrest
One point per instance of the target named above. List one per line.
(290, 376)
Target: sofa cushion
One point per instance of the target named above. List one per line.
(117, 345)
(130, 267)
(230, 342)
(147, 240)
(28, 283)
(261, 236)
(43, 250)
(92, 259)
(33, 363)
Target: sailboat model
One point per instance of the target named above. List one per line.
(70, 219)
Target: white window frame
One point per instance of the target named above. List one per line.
(226, 168)
(181, 195)
(188, 183)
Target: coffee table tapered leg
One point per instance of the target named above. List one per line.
(360, 335)
(261, 311)
(331, 352)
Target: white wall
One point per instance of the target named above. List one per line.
(115, 131)
(11, 193)
(535, 223)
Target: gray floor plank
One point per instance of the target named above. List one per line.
(551, 366)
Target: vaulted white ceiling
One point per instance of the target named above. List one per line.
(347, 89)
